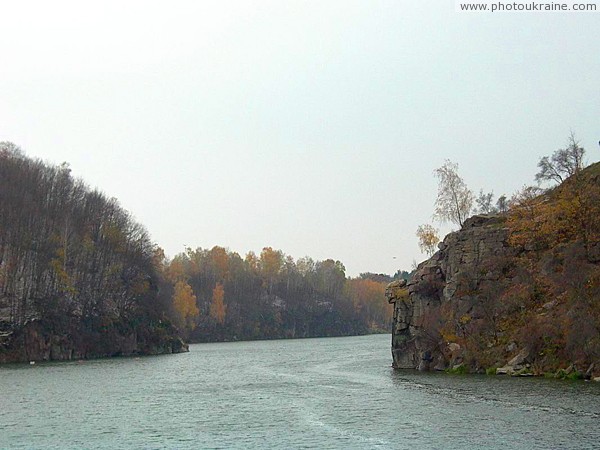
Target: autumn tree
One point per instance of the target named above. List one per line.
(368, 300)
(218, 308)
(567, 213)
(273, 296)
(271, 263)
(184, 303)
(176, 269)
(428, 238)
(454, 200)
(219, 262)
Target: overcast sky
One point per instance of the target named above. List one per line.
(312, 127)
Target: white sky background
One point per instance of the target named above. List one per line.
(312, 127)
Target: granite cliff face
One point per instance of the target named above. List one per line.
(517, 293)
(451, 279)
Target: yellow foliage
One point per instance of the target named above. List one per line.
(428, 238)
(184, 303)
(218, 309)
(568, 214)
(252, 261)
(465, 319)
(271, 262)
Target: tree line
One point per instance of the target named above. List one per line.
(218, 295)
(74, 260)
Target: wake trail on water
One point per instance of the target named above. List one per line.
(311, 419)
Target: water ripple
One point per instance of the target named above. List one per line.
(314, 393)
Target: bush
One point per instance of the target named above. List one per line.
(461, 369)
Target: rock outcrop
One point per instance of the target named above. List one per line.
(515, 294)
(38, 342)
(468, 261)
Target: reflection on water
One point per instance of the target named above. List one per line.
(312, 393)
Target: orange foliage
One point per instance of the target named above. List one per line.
(176, 271)
(220, 261)
(569, 214)
(368, 298)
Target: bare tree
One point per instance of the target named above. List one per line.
(454, 201)
(563, 163)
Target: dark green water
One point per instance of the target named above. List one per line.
(312, 393)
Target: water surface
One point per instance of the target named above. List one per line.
(310, 393)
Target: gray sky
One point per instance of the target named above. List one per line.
(312, 127)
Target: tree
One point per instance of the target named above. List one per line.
(9, 149)
(368, 300)
(184, 303)
(563, 163)
(219, 262)
(454, 200)
(218, 308)
(502, 204)
(428, 238)
(402, 275)
(271, 263)
(484, 203)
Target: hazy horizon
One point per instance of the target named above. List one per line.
(313, 128)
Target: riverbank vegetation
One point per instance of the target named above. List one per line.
(78, 275)
(80, 278)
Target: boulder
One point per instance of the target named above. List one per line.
(519, 359)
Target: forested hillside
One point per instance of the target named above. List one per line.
(78, 276)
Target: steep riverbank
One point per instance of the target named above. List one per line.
(516, 293)
(79, 278)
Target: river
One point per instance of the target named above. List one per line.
(308, 393)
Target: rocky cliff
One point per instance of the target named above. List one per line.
(452, 279)
(515, 294)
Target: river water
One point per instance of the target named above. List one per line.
(309, 393)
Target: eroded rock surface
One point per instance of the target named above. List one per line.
(454, 274)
